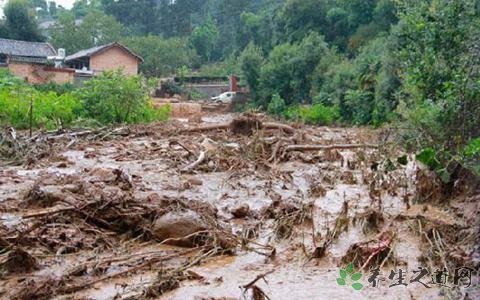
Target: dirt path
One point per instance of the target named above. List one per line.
(160, 212)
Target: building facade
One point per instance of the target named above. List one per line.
(39, 63)
(109, 57)
(30, 61)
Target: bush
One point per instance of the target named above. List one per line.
(109, 98)
(115, 98)
(276, 106)
(358, 106)
(25, 107)
(169, 88)
(149, 113)
(318, 114)
(7, 80)
(60, 89)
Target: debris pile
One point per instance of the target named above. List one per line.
(199, 210)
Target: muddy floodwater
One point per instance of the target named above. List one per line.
(253, 210)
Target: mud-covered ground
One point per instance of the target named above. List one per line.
(248, 211)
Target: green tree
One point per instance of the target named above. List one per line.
(299, 17)
(52, 8)
(204, 39)
(162, 56)
(289, 69)
(140, 17)
(4, 32)
(176, 17)
(257, 28)
(81, 8)
(438, 47)
(333, 82)
(95, 29)
(251, 61)
(440, 90)
(20, 22)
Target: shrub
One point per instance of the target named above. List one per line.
(56, 111)
(109, 98)
(149, 113)
(115, 98)
(318, 114)
(168, 88)
(60, 89)
(7, 80)
(276, 106)
(25, 107)
(358, 106)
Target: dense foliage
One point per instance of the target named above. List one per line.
(107, 99)
(95, 29)
(162, 56)
(115, 98)
(20, 22)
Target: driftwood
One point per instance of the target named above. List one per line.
(328, 147)
(286, 128)
(208, 128)
(258, 293)
(194, 164)
(242, 125)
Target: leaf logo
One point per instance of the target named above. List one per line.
(354, 277)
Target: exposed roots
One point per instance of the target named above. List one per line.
(370, 253)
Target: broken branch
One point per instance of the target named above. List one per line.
(328, 147)
(252, 283)
(193, 165)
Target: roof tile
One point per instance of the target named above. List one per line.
(22, 48)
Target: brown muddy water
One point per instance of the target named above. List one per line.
(122, 218)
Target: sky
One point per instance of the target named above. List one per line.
(65, 3)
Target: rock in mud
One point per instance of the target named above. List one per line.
(194, 181)
(43, 196)
(124, 179)
(177, 226)
(102, 175)
(241, 211)
(19, 261)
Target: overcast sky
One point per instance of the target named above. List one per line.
(65, 3)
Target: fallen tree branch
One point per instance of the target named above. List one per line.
(258, 293)
(194, 164)
(252, 283)
(224, 126)
(177, 142)
(286, 128)
(328, 147)
(49, 212)
(234, 124)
